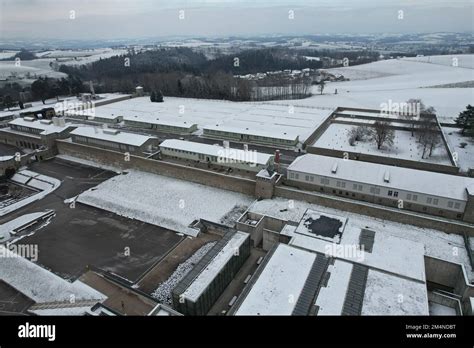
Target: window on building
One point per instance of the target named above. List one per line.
(409, 197)
(450, 204)
(360, 187)
(457, 205)
(354, 186)
(435, 201)
(390, 193)
(395, 194)
(292, 175)
(429, 200)
(415, 198)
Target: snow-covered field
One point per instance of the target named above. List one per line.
(163, 201)
(81, 57)
(460, 60)
(405, 146)
(399, 80)
(281, 118)
(42, 182)
(37, 67)
(464, 154)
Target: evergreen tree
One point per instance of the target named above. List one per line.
(465, 121)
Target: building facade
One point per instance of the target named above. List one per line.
(421, 191)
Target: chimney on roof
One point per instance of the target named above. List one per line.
(226, 144)
(334, 168)
(386, 176)
(246, 147)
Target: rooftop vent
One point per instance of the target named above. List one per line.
(386, 176)
(29, 118)
(334, 168)
(46, 122)
(111, 131)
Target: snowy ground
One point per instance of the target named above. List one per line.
(451, 60)
(399, 80)
(164, 290)
(449, 247)
(464, 154)
(38, 67)
(162, 201)
(405, 146)
(81, 57)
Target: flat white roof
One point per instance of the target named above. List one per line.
(160, 121)
(209, 273)
(411, 180)
(332, 296)
(4, 114)
(278, 287)
(218, 151)
(37, 124)
(121, 137)
(270, 131)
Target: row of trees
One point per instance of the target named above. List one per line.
(45, 88)
(425, 128)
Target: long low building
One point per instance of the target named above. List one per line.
(30, 133)
(427, 192)
(113, 139)
(201, 287)
(161, 124)
(270, 135)
(216, 155)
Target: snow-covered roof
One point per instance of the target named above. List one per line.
(278, 287)
(411, 180)
(112, 135)
(160, 121)
(209, 273)
(218, 151)
(46, 126)
(269, 131)
(40, 284)
(5, 114)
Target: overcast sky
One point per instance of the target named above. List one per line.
(109, 19)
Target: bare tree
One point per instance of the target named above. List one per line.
(428, 136)
(358, 134)
(382, 134)
(321, 86)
